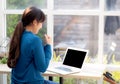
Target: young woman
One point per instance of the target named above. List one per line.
(28, 57)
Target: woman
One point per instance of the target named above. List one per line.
(28, 57)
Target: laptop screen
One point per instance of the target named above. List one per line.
(74, 57)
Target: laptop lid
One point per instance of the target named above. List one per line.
(74, 57)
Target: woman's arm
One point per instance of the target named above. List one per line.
(42, 55)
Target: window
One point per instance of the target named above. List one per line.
(111, 39)
(88, 24)
(112, 5)
(13, 19)
(22, 4)
(76, 4)
(76, 31)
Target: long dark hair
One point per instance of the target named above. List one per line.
(27, 19)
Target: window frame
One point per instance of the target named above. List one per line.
(50, 13)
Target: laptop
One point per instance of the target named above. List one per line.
(72, 63)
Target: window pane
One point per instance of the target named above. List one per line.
(76, 31)
(76, 4)
(12, 20)
(112, 39)
(22, 4)
(112, 5)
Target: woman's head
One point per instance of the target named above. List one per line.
(31, 18)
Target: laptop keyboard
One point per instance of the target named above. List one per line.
(64, 69)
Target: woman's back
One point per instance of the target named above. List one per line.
(25, 67)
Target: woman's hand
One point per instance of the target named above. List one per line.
(47, 39)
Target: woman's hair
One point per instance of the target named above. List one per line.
(27, 18)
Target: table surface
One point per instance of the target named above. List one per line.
(88, 71)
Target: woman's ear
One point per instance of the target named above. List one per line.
(40, 25)
(35, 22)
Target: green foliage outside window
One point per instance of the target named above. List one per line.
(3, 60)
(22, 4)
(12, 21)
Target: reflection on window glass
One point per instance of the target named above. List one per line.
(22, 4)
(12, 20)
(112, 5)
(112, 39)
(76, 4)
(76, 31)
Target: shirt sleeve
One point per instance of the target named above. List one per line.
(41, 55)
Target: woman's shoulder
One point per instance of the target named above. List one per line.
(29, 37)
(36, 39)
